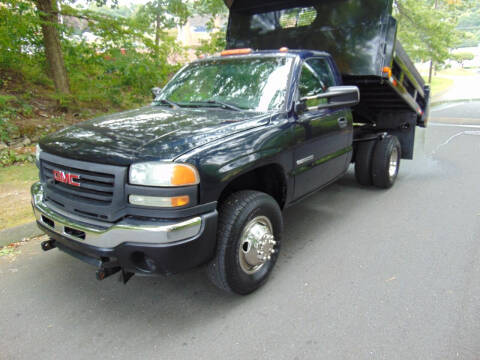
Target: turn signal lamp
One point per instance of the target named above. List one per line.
(236, 52)
(159, 201)
(184, 175)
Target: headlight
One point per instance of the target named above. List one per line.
(37, 154)
(163, 174)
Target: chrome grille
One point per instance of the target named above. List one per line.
(99, 193)
(94, 186)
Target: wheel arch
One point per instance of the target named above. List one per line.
(268, 178)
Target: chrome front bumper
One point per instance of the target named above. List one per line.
(105, 235)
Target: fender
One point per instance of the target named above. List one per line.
(219, 163)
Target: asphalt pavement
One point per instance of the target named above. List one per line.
(363, 274)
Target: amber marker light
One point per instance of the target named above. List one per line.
(284, 49)
(178, 201)
(236, 52)
(387, 70)
(184, 175)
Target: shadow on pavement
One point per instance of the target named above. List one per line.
(188, 298)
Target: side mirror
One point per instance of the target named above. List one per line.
(156, 91)
(337, 96)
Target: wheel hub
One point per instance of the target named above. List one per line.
(257, 244)
(393, 164)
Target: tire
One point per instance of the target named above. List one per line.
(230, 269)
(363, 162)
(386, 162)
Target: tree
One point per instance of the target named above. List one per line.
(426, 29)
(48, 13)
(159, 15)
(19, 31)
(462, 57)
(214, 9)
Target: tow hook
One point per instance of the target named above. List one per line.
(125, 276)
(48, 245)
(103, 273)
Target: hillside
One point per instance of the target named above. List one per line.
(30, 110)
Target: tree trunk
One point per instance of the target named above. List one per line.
(430, 73)
(157, 34)
(53, 49)
(431, 61)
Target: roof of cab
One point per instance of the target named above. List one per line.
(303, 54)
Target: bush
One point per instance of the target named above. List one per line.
(9, 157)
(112, 77)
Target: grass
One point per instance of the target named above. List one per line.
(15, 182)
(456, 72)
(440, 84)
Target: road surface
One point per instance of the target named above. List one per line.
(363, 274)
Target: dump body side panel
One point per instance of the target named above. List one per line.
(353, 32)
(361, 36)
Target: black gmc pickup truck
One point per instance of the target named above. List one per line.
(202, 174)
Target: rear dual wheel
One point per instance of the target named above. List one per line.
(377, 162)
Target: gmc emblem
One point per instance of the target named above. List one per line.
(66, 178)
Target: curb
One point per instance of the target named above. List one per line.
(440, 102)
(17, 233)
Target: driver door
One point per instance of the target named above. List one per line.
(321, 149)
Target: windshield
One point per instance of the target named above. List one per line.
(257, 84)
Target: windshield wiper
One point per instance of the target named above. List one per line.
(167, 102)
(221, 103)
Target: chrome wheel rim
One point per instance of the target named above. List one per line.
(392, 169)
(257, 245)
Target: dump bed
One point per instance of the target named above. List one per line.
(359, 34)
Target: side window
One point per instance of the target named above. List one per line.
(316, 78)
(310, 84)
(323, 70)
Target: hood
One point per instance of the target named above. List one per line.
(149, 133)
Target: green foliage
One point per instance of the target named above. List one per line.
(7, 113)
(217, 41)
(118, 69)
(7, 129)
(426, 32)
(469, 25)
(19, 34)
(462, 57)
(9, 157)
(210, 7)
(215, 44)
(115, 77)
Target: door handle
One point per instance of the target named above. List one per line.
(342, 122)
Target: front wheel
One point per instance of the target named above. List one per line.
(248, 242)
